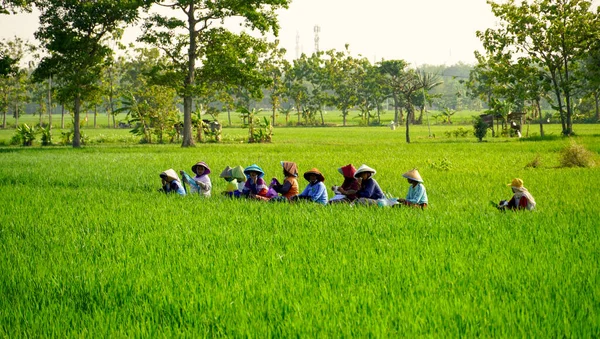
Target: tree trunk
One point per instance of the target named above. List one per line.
(322, 118)
(62, 117)
(95, 115)
(76, 130)
(16, 115)
(344, 113)
(395, 109)
(229, 116)
(597, 100)
(188, 140)
(50, 103)
(407, 126)
(539, 109)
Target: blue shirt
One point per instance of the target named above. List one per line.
(316, 192)
(370, 189)
(417, 194)
(174, 187)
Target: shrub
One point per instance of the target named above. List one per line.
(443, 165)
(25, 134)
(535, 163)
(46, 136)
(576, 155)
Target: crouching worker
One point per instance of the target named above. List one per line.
(521, 198)
(231, 182)
(171, 182)
(255, 186)
(369, 191)
(316, 190)
(347, 192)
(289, 188)
(417, 195)
(201, 182)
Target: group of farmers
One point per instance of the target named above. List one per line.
(358, 187)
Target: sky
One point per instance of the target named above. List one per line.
(438, 32)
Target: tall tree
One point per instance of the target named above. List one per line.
(188, 49)
(552, 33)
(74, 33)
(393, 70)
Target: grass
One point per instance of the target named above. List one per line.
(90, 248)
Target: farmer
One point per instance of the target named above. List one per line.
(255, 187)
(231, 181)
(290, 187)
(238, 174)
(521, 198)
(369, 191)
(202, 171)
(417, 195)
(347, 192)
(316, 190)
(171, 182)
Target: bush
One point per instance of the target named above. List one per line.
(25, 135)
(480, 128)
(576, 155)
(535, 163)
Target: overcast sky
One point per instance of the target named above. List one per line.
(418, 31)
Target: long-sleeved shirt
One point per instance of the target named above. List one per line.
(259, 188)
(289, 188)
(174, 187)
(316, 192)
(205, 185)
(417, 195)
(370, 189)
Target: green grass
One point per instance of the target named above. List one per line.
(90, 248)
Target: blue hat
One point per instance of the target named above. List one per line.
(254, 168)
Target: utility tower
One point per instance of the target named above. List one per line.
(297, 45)
(317, 31)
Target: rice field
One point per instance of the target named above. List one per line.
(90, 248)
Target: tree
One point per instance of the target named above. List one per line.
(341, 70)
(14, 6)
(200, 16)
(74, 34)
(552, 33)
(428, 81)
(13, 79)
(393, 70)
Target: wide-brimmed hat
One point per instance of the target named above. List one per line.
(364, 168)
(238, 173)
(203, 164)
(347, 171)
(414, 175)
(516, 182)
(290, 167)
(226, 173)
(316, 172)
(169, 175)
(254, 168)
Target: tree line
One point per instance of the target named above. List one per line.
(543, 53)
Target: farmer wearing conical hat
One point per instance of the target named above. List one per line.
(231, 182)
(521, 198)
(290, 187)
(237, 173)
(316, 190)
(369, 191)
(255, 187)
(202, 171)
(347, 191)
(171, 182)
(417, 195)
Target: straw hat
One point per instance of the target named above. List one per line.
(364, 168)
(254, 168)
(238, 173)
(413, 174)
(516, 182)
(203, 164)
(290, 167)
(226, 173)
(316, 172)
(169, 175)
(347, 171)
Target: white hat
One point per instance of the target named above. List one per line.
(364, 168)
(413, 174)
(170, 175)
